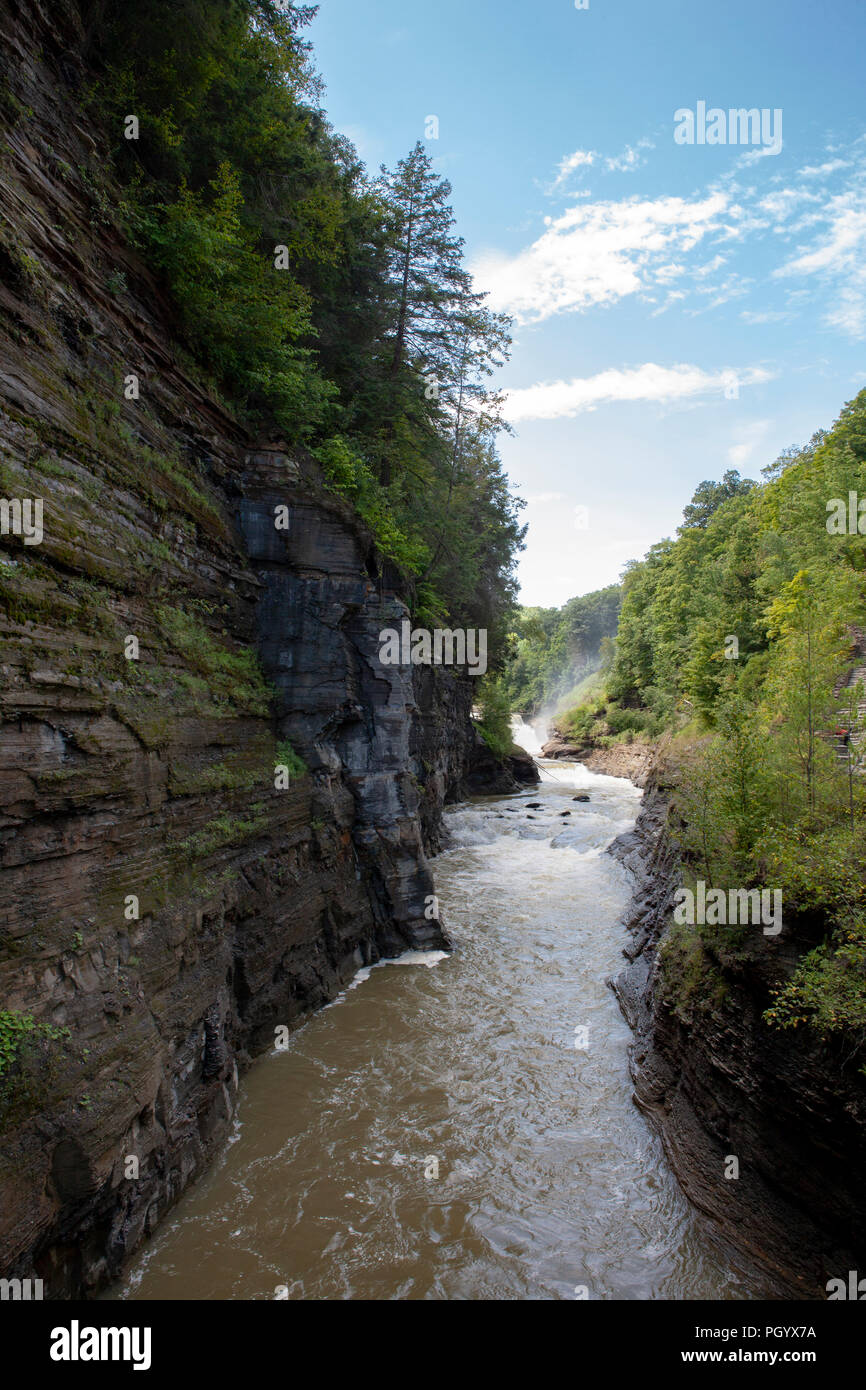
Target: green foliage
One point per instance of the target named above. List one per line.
(221, 832)
(244, 318)
(746, 628)
(16, 1029)
(286, 756)
(827, 992)
(494, 725)
(348, 474)
(554, 650)
(230, 677)
(321, 304)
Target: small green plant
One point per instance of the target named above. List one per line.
(220, 832)
(14, 1028)
(116, 282)
(231, 677)
(286, 756)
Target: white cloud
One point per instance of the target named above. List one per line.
(631, 158)
(762, 152)
(567, 166)
(595, 254)
(839, 260)
(541, 497)
(781, 204)
(816, 171)
(649, 382)
(703, 270)
(766, 316)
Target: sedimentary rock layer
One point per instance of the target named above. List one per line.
(167, 901)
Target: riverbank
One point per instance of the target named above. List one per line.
(766, 1131)
(632, 760)
(464, 1131)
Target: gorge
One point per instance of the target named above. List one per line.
(314, 983)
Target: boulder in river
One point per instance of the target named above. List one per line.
(583, 797)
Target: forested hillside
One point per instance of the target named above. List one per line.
(344, 319)
(554, 649)
(743, 638)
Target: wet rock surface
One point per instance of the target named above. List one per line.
(718, 1083)
(632, 760)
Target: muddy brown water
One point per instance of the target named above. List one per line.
(461, 1127)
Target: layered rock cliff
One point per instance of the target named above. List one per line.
(176, 887)
(719, 1084)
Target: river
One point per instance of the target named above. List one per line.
(461, 1127)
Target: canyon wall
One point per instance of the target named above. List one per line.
(176, 886)
(718, 1083)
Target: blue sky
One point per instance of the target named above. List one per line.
(680, 309)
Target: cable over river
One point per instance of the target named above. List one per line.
(461, 1127)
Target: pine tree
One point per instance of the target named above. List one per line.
(442, 343)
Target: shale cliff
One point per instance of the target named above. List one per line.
(216, 803)
(719, 1084)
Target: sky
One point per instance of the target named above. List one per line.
(681, 306)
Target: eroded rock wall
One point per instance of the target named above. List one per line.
(718, 1083)
(164, 905)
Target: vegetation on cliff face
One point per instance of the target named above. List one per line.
(744, 637)
(326, 306)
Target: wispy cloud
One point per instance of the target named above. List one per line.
(578, 160)
(820, 171)
(595, 254)
(631, 158)
(649, 382)
(838, 260)
(669, 250)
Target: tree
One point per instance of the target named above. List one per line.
(806, 624)
(442, 342)
(709, 496)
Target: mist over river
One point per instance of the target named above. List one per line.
(461, 1127)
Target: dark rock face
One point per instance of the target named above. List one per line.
(523, 768)
(165, 906)
(718, 1083)
(487, 775)
(351, 717)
